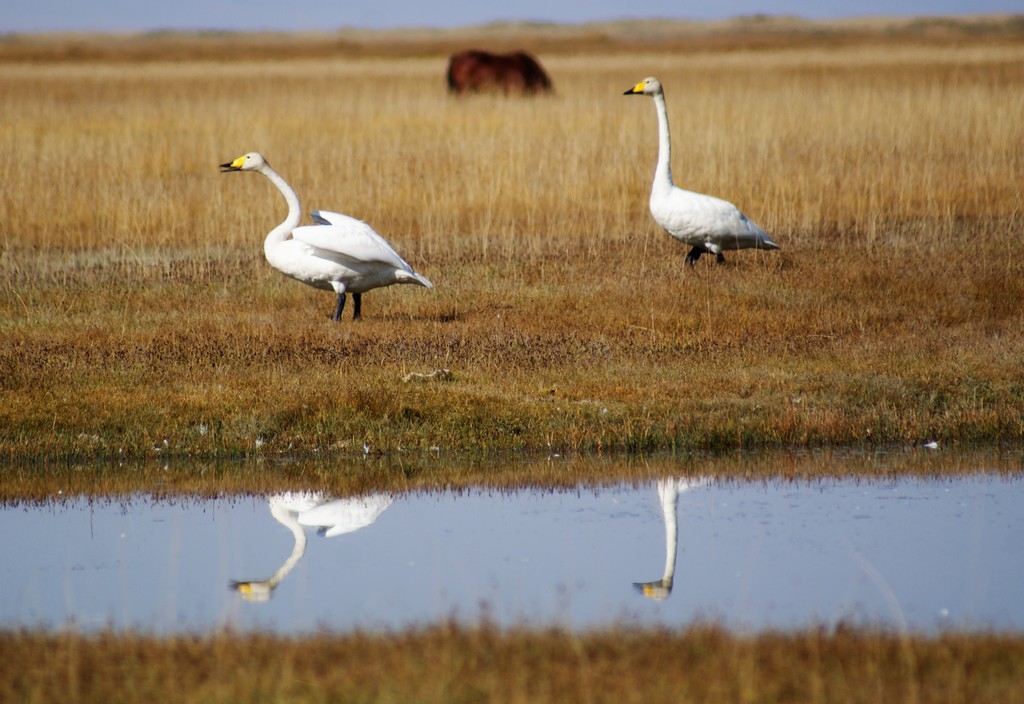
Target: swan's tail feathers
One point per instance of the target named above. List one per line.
(411, 277)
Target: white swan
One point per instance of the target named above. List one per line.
(706, 223)
(339, 254)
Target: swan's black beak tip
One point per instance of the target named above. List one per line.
(224, 168)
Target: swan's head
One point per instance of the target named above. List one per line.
(648, 86)
(658, 590)
(247, 162)
(259, 590)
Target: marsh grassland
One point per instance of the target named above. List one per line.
(139, 317)
(446, 664)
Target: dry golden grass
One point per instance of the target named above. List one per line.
(138, 316)
(449, 664)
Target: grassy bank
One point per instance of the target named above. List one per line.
(138, 317)
(446, 664)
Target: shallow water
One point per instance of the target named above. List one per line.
(915, 554)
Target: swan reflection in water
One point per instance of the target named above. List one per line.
(331, 517)
(668, 494)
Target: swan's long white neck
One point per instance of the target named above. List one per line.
(663, 172)
(288, 519)
(282, 231)
(669, 502)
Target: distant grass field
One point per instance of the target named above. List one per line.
(138, 317)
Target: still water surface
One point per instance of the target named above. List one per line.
(911, 553)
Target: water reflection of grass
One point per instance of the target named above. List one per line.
(447, 664)
(49, 482)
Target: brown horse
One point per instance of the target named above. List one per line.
(474, 70)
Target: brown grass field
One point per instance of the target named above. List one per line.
(446, 664)
(139, 319)
(139, 316)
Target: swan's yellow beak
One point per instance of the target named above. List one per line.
(235, 165)
(638, 88)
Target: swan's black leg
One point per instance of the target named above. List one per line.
(719, 258)
(357, 301)
(341, 307)
(694, 255)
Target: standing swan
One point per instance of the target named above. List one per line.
(706, 223)
(339, 254)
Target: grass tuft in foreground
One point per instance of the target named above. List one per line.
(452, 664)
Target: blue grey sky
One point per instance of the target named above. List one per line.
(330, 15)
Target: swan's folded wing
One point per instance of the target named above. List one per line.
(688, 214)
(328, 217)
(348, 238)
(346, 515)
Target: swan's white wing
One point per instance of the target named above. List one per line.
(297, 501)
(346, 515)
(321, 220)
(695, 214)
(350, 239)
(695, 218)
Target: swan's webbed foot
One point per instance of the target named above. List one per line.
(340, 307)
(719, 259)
(694, 255)
(357, 302)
